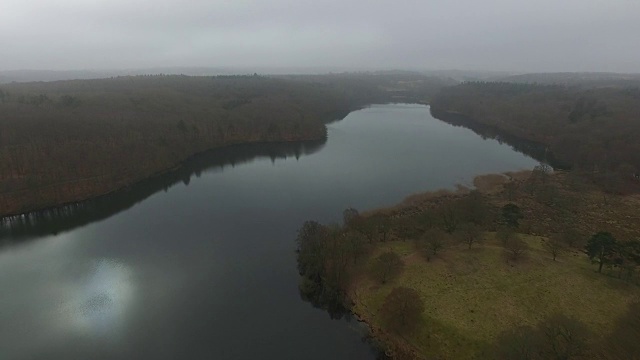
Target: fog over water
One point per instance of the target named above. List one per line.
(529, 36)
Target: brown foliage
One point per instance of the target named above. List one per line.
(513, 244)
(67, 141)
(594, 129)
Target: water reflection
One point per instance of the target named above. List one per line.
(98, 304)
(533, 149)
(63, 295)
(208, 271)
(65, 218)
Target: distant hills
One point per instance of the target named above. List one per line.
(55, 75)
(560, 78)
(9, 76)
(572, 78)
(49, 75)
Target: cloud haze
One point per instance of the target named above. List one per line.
(543, 35)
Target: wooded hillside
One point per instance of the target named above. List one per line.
(595, 130)
(66, 141)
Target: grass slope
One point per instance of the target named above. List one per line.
(472, 295)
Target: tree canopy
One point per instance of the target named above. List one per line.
(67, 141)
(592, 128)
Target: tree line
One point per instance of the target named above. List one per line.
(595, 130)
(541, 202)
(66, 141)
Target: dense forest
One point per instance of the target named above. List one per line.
(64, 218)
(67, 141)
(594, 129)
(576, 79)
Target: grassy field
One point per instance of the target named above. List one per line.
(475, 298)
(472, 295)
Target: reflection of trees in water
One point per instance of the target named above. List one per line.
(323, 254)
(530, 148)
(321, 298)
(327, 299)
(68, 217)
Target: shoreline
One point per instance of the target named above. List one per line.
(156, 175)
(362, 292)
(331, 117)
(335, 116)
(534, 149)
(383, 341)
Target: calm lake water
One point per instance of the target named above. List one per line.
(200, 264)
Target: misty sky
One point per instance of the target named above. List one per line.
(513, 35)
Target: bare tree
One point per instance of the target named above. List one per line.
(386, 266)
(432, 242)
(565, 337)
(554, 245)
(470, 234)
(516, 247)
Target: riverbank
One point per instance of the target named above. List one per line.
(477, 295)
(67, 141)
(535, 149)
(25, 204)
(592, 129)
(71, 141)
(67, 217)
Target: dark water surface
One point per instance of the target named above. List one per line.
(200, 264)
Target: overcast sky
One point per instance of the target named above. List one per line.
(513, 35)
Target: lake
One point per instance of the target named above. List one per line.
(200, 263)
